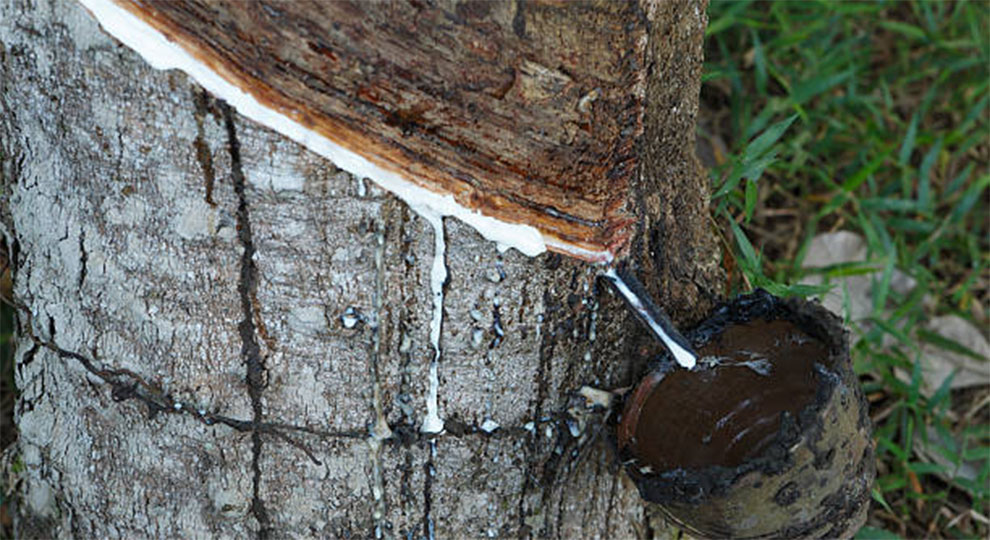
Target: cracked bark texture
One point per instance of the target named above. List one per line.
(218, 315)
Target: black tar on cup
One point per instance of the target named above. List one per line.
(768, 437)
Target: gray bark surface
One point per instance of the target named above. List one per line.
(189, 369)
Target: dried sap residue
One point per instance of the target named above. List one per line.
(729, 410)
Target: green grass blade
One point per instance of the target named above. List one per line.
(748, 253)
(907, 30)
(907, 146)
(943, 342)
(861, 175)
(924, 179)
(750, 204)
(809, 88)
(767, 139)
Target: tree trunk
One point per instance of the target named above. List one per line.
(218, 323)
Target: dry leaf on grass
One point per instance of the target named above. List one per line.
(830, 249)
(938, 362)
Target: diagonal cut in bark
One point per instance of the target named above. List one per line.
(469, 112)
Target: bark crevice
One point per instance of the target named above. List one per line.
(125, 385)
(83, 257)
(250, 350)
(203, 154)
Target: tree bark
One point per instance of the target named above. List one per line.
(215, 319)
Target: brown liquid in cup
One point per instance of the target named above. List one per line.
(728, 412)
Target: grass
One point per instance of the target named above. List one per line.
(871, 118)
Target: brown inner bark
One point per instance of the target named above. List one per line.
(512, 121)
